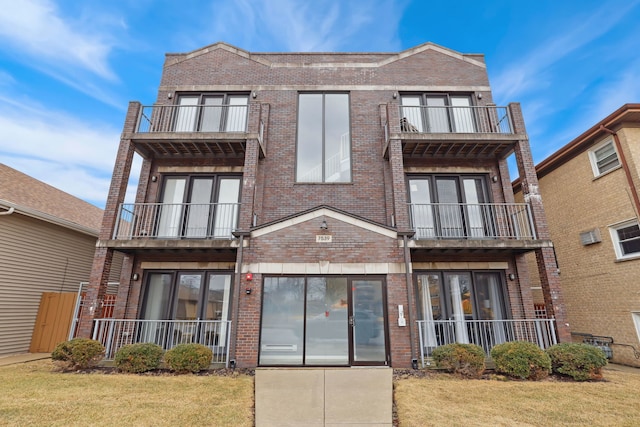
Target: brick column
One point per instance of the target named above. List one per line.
(547, 266)
(101, 267)
(398, 185)
(248, 185)
(119, 311)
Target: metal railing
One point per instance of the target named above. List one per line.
(485, 333)
(192, 118)
(472, 221)
(116, 333)
(176, 221)
(448, 119)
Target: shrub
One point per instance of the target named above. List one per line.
(188, 358)
(521, 359)
(462, 359)
(141, 357)
(579, 361)
(78, 353)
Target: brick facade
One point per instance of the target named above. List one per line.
(279, 218)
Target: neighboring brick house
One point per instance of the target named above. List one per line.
(591, 196)
(47, 244)
(305, 209)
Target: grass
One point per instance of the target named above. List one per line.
(32, 394)
(442, 400)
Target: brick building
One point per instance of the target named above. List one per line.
(591, 196)
(324, 209)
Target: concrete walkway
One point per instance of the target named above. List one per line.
(324, 397)
(22, 358)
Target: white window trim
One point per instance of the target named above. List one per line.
(613, 230)
(635, 315)
(594, 160)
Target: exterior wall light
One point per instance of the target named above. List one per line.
(254, 95)
(324, 225)
(135, 277)
(512, 276)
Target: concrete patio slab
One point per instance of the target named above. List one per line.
(324, 397)
(22, 358)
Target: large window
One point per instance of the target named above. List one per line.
(324, 142)
(444, 206)
(198, 206)
(604, 158)
(215, 112)
(437, 113)
(626, 239)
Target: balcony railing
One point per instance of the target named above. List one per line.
(193, 118)
(176, 221)
(485, 333)
(115, 333)
(472, 221)
(447, 119)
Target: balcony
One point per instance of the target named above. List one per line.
(469, 226)
(113, 334)
(485, 333)
(179, 225)
(179, 131)
(454, 132)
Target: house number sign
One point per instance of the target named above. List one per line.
(324, 238)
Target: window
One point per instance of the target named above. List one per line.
(444, 206)
(198, 206)
(437, 113)
(211, 113)
(626, 239)
(604, 158)
(324, 142)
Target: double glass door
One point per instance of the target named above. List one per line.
(437, 113)
(211, 113)
(198, 207)
(323, 321)
(450, 207)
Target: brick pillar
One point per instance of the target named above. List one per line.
(398, 185)
(101, 267)
(547, 266)
(119, 311)
(248, 185)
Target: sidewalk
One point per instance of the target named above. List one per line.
(324, 397)
(22, 358)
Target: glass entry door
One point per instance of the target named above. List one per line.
(323, 321)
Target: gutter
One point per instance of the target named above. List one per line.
(14, 208)
(625, 167)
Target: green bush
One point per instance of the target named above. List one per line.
(579, 361)
(521, 359)
(188, 358)
(141, 357)
(78, 353)
(462, 359)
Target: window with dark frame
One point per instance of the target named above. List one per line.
(211, 112)
(437, 113)
(323, 138)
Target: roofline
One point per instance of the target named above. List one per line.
(581, 143)
(392, 56)
(33, 213)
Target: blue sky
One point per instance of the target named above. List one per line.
(69, 68)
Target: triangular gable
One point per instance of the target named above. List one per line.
(323, 211)
(174, 58)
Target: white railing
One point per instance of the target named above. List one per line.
(448, 119)
(485, 333)
(116, 333)
(192, 118)
(472, 221)
(176, 221)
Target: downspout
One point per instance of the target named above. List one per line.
(625, 167)
(407, 272)
(8, 212)
(236, 301)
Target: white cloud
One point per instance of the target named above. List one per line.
(35, 29)
(310, 25)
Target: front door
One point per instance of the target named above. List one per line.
(323, 321)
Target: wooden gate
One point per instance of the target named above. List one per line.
(53, 322)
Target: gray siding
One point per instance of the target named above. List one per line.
(36, 257)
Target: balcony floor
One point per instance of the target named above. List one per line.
(458, 246)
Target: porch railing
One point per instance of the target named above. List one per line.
(472, 221)
(449, 119)
(192, 118)
(176, 221)
(485, 333)
(116, 333)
